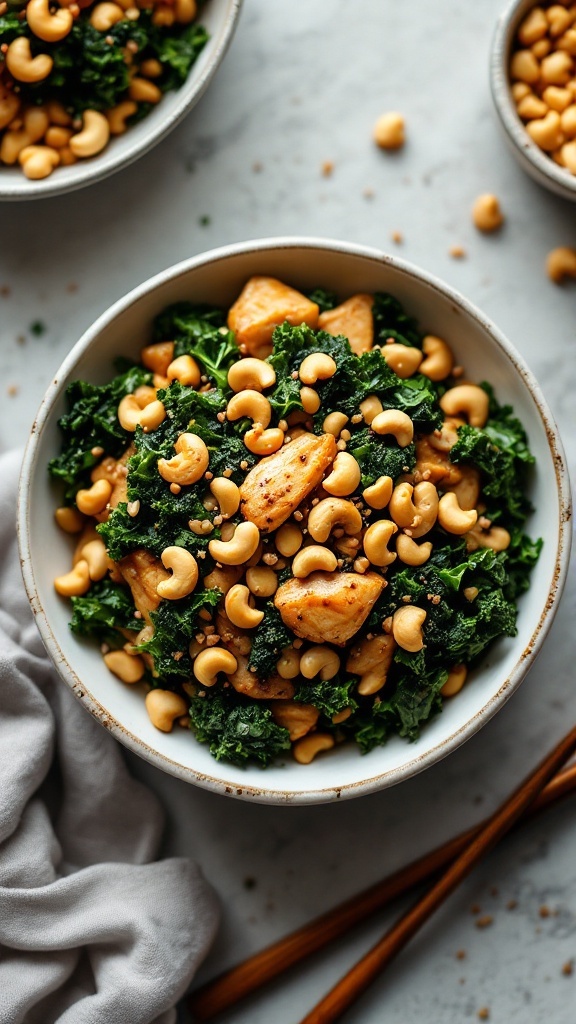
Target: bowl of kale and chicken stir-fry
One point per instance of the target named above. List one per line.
(302, 513)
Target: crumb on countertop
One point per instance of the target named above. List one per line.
(460, 954)
(397, 237)
(544, 911)
(71, 287)
(483, 1013)
(368, 193)
(485, 921)
(37, 328)
(457, 252)
(475, 908)
(512, 904)
(568, 968)
(327, 168)
(5, 291)
(13, 390)
(257, 167)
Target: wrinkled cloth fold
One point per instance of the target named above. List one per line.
(92, 930)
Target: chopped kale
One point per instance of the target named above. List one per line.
(105, 609)
(177, 54)
(391, 321)
(324, 299)
(175, 625)
(92, 423)
(199, 331)
(237, 729)
(380, 456)
(329, 697)
(268, 639)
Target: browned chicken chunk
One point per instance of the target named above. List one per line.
(275, 487)
(115, 471)
(299, 719)
(247, 682)
(434, 465)
(234, 638)
(263, 304)
(328, 607)
(143, 572)
(354, 320)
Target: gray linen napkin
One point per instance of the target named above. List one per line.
(91, 931)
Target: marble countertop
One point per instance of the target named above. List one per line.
(302, 85)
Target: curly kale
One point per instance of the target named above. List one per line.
(268, 639)
(175, 625)
(92, 423)
(105, 609)
(201, 332)
(237, 729)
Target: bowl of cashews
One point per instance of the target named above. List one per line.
(339, 543)
(86, 88)
(533, 84)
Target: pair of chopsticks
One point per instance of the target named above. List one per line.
(456, 858)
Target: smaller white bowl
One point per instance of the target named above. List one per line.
(219, 18)
(531, 158)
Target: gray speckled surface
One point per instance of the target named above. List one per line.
(301, 85)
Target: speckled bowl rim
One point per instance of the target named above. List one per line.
(417, 763)
(89, 172)
(533, 160)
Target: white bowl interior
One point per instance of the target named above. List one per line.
(219, 19)
(535, 162)
(217, 278)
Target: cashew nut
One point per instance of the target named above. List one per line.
(93, 136)
(95, 554)
(392, 421)
(239, 548)
(288, 539)
(317, 366)
(334, 423)
(331, 512)
(305, 750)
(251, 373)
(345, 475)
(252, 404)
(407, 625)
(57, 137)
(486, 213)
(445, 438)
(403, 359)
(127, 667)
(210, 662)
(239, 610)
(185, 11)
(546, 131)
(378, 494)
(117, 117)
(13, 142)
(414, 508)
(261, 581)
(310, 400)
(467, 400)
(411, 553)
(389, 131)
(371, 660)
(189, 464)
(263, 442)
(453, 518)
(94, 499)
(376, 541)
(370, 408)
(9, 107)
(164, 707)
(184, 369)
(314, 558)
(319, 660)
(288, 665)
(75, 582)
(439, 359)
(38, 161)
(45, 25)
(561, 263)
(103, 16)
(23, 66)
(158, 357)
(227, 495)
(69, 519)
(184, 574)
(143, 91)
(455, 682)
(496, 538)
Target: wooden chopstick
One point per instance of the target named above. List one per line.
(256, 971)
(370, 966)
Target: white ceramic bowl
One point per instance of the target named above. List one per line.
(531, 158)
(219, 17)
(217, 277)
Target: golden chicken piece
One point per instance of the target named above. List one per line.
(235, 639)
(224, 578)
(434, 465)
(277, 484)
(354, 320)
(371, 659)
(467, 489)
(263, 304)
(247, 682)
(328, 607)
(299, 719)
(143, 572)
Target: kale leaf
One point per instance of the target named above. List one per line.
(330, 696)
(391, 321)
(324, 299)
(175, 625)
(178, 52)
(92, 422)
(380, 456)
(268, 639)
(105, 609)
(199, 331)
(237, 729)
